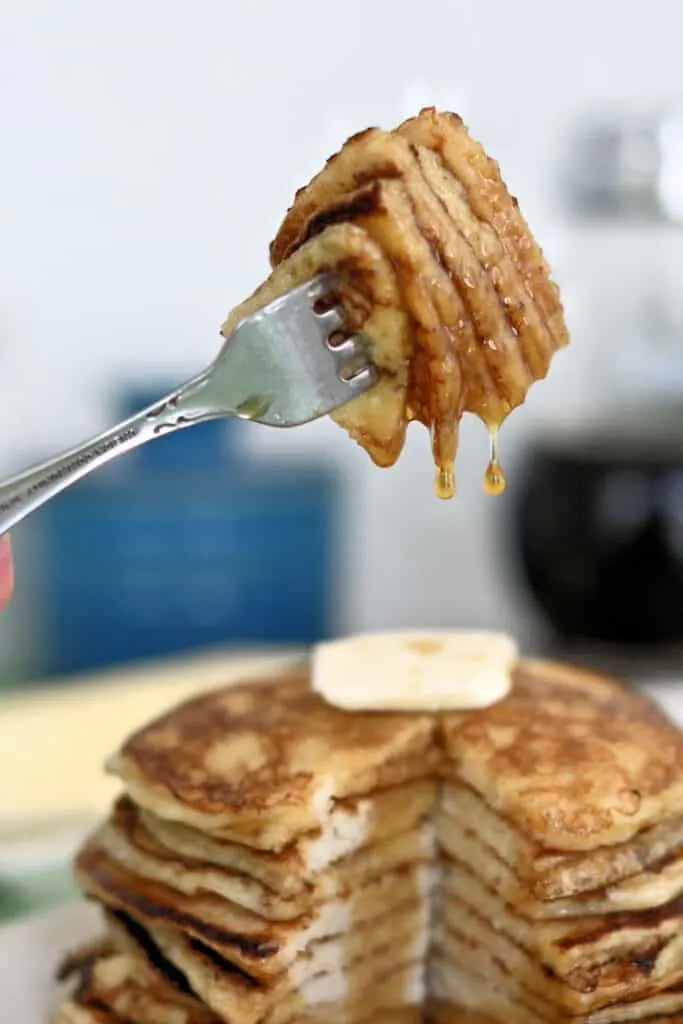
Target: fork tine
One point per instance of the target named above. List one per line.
(351, 358)
(331, 319)
(362, 380)
(320, 286)
(285, 353)
(352, 347)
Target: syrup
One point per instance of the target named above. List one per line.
(494, 478)
(444, 485)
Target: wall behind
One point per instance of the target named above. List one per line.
(149, 150)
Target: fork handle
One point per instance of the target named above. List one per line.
(27, 491)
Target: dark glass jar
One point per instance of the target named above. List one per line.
(598, 531)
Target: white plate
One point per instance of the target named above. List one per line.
(31, 950)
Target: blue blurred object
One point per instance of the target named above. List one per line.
(185, 543)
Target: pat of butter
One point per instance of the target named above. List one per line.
(415, 671)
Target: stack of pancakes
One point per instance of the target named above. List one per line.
(274, 859)
(437, 267)
(271, 858)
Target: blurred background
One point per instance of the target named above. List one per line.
(149, 151)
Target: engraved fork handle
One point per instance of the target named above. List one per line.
(184, 407)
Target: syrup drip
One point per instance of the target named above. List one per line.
(494, 479)
(444, 485)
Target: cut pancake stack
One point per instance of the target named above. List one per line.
(437, 267)
(560, 825)
(270, 861)
(274, 859)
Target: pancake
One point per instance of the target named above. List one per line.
(128, 842)
(119, 985)
(80, 959)
(351, 826)
(75, 1013)
(71, 1012)
(373, 304)
(110, 991)
(531, 870)
(573, 759)
(433, 867)
(470, 977)
(261, 948)
(469, 318)
(432, 239)
(399, 939)
(336, 969)
(644, 891)
(142, 986)
(438, 1012)
(244, 763)
(610, 978)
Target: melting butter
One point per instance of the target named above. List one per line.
(415, 671)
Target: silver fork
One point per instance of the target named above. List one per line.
(279, 366)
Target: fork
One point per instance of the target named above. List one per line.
(280, 366)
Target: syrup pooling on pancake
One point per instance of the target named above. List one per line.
(440, 272)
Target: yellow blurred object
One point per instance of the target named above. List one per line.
(55, 740)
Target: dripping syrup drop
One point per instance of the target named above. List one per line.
(444, 485)
(494, 478)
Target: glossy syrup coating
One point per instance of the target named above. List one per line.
(481, 317)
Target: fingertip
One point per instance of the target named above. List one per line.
(6, 571)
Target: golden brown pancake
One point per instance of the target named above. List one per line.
(571, 758)
(128, 842)
(583, 883)
(129, 984)
(589, 765)
(372, 304)
(543, 873)
(368, 957)
(601, 967)
(260, 947)
(352, 825)
(74, 1012)
(121, 987)
(437, 1012)
(245, 762)
(439, 271)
